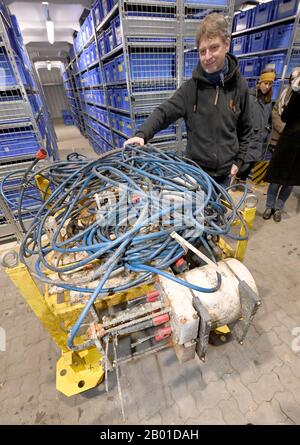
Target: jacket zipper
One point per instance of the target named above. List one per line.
(217, 94)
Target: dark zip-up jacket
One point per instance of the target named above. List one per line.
(261, 115)
(284, 167)
(217, 119)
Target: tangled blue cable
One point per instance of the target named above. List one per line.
(110, 216)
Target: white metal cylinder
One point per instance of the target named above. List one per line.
(223, 305)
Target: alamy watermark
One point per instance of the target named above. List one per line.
(2, 340)
(296, 342)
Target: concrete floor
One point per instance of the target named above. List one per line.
(256, 383)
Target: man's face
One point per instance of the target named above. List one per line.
(212, 52)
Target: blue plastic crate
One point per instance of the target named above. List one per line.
(16, 28)
(285, 8)
(258, 41)
(106, 6)
(294, 61)
(102, 115)
(81, 62)
(116, 25)
(95, 76)
(191, 59)
(280, 36)
(109, 72)
(78, 42)
(31, 200)
(109, 39)
(16, 143)
(110, 97)
(263, 13)
(275, 62)
(72, 52)
(99, 97)
(86, 29)
(243, 20)
(251, 83)
(126, 125)
(7, 77)
(276, 89)
(114, 120)
(152, 65)
(67, 117)
(250, 67)
(35, 103)
(93, 52)
(98, 13)
(239, 45)
(122, 99)
(101, 44)
(119, 65)
(118, 140)
(105, 133)
(169, 131)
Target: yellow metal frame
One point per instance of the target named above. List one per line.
(75, 371)
(239, 250)
(43, 185)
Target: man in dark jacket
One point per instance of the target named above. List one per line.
(214, 103)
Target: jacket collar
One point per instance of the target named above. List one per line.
(233, 70)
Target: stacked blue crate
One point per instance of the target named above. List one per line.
(268, 40)
(15, 74)
(138, 77)
(23, 120)
(67, 117)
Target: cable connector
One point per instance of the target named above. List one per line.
(41, 154)
(180, 266)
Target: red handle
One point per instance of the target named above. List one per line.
(160, 319)
(162, 333)
(41, 154)
(152, 296)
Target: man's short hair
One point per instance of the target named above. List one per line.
(213, 25)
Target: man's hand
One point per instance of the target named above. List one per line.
(234, 170)
(135, 140)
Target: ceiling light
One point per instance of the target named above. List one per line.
(49, 23)
(50, 31)
(49, 66)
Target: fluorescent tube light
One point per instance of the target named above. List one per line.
(50, 31)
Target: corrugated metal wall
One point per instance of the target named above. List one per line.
(54, 91)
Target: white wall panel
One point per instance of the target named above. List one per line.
(54, 91)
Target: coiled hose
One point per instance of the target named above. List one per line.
(110, 216)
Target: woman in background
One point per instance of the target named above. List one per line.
(261, 115)
(284, 169)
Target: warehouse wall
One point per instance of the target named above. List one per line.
(54, 91)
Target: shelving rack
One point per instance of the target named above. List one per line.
(25, 124)
(129, 56)
(268, 35)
